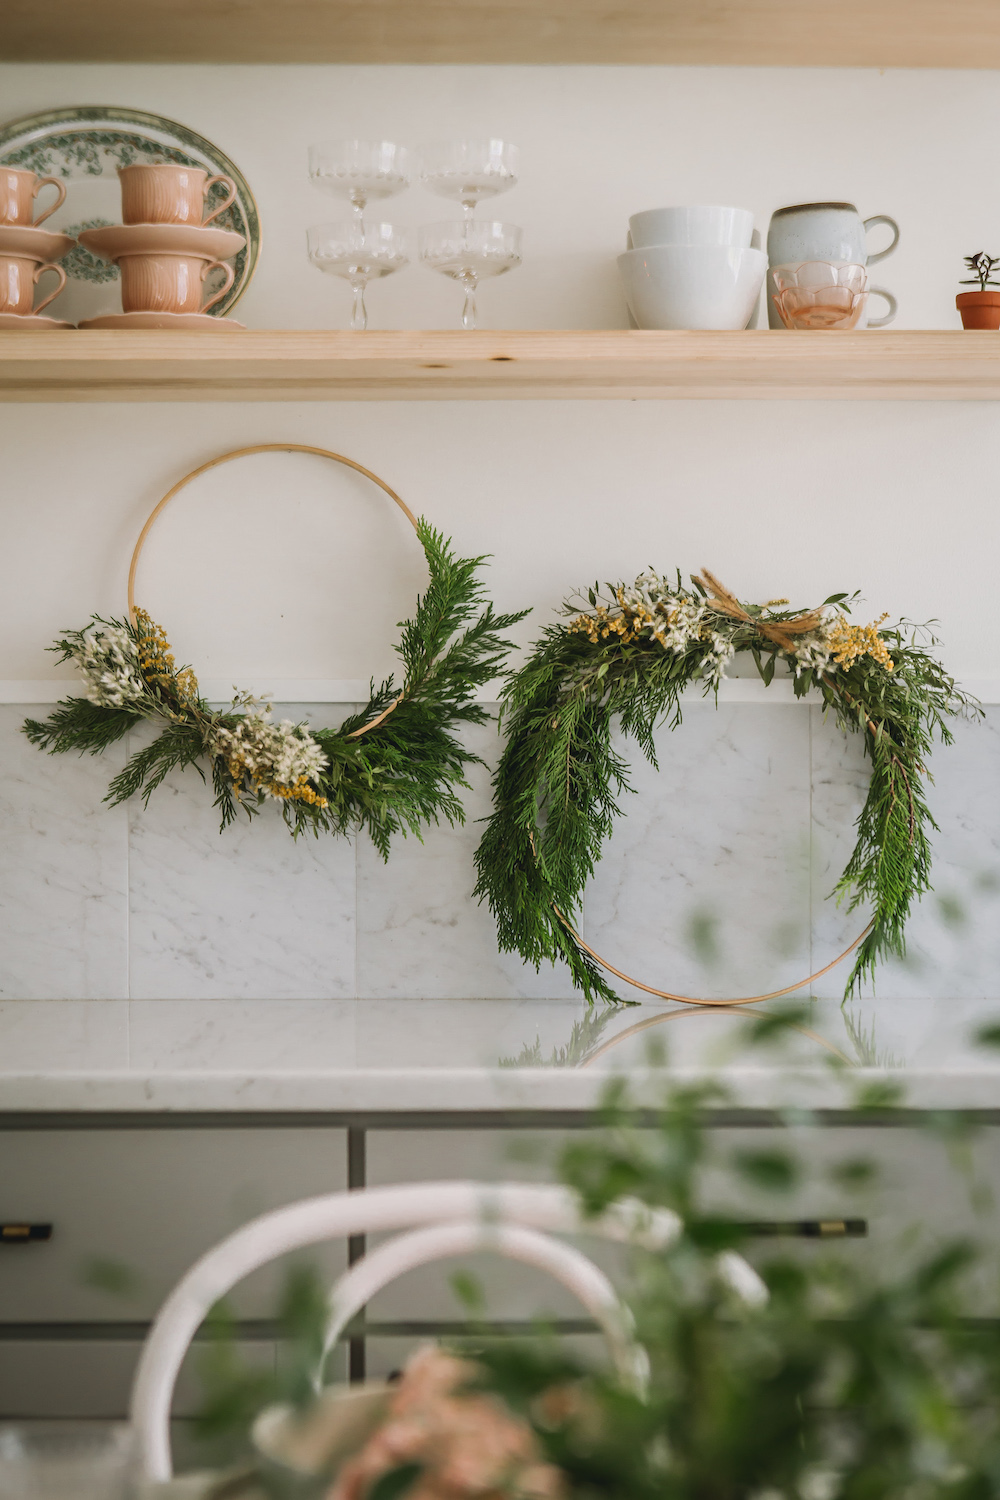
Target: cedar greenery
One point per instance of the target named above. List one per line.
(627, 658)
(402, 774)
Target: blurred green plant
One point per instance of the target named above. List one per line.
(854, 1380)
(846, 1385)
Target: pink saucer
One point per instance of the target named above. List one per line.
(203, 321)
(33, 243)
(31, 323)
(115, 240)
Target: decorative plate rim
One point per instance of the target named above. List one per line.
(98, 114)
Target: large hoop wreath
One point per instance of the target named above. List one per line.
(393, 768)
(628, 657)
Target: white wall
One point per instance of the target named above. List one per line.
(897, 500)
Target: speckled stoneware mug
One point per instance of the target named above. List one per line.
(824, 231)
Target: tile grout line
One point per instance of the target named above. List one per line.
(128, 917)
(357, 854)
(812, 947)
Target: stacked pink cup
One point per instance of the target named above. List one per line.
(27, 252)
(166, 249)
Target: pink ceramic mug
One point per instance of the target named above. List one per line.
(18, 191)
(164, 193)
(18, 277)
(169, 283)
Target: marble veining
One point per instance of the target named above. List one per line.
(716, 882)
(703, 887)
(245, 913)
(64, 1036)
(416, 916)
(63, 872)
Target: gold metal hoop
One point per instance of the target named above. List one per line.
(648, 1022)
(649, 989)
(225, 458)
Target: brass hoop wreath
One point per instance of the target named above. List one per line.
(649, 989)
(225, 458)
(393, 768)
(627, 657)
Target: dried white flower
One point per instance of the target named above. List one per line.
(108, 658)
(273, 755)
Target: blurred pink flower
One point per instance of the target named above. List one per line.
(468, 1442)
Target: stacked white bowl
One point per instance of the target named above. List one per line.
(692, 267)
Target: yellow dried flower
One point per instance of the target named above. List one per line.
(155, 657)
(849, 642)
(187, 684)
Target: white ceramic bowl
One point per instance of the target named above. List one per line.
(695, 224)
(692, 286)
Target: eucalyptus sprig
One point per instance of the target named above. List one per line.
(395, 767)
(627, 658)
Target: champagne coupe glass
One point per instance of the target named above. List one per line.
(467, 250)
(361, 171)
(359, 253)
(469, 171)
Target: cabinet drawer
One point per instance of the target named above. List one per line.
(510, 1290)
(920, 1196)
(150, 1202)
(91, 1379)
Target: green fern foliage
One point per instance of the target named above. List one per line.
(394, 768)
(626, 659)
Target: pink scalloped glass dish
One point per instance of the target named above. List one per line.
(816, 275)
(826, 307)
(820, 294)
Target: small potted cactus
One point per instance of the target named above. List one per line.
(980, 309)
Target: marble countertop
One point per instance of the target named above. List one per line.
(398, 1057)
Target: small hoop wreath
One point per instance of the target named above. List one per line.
(225, 458)
(393, 768)
(627, 657)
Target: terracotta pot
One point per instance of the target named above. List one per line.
(979, 309)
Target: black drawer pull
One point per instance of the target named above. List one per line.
(21, 1234)
(810, 1229)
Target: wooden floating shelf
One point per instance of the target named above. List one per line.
(769, 33)
(449, 366)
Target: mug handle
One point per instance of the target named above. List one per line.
(230, 276)
(881, 254)
(877, 291)
(60, 188)
(231, 199)
(40, 271)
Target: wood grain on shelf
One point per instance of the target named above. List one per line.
(598, 364)
(858, 33)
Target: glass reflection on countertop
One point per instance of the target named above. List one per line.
(887, 1035)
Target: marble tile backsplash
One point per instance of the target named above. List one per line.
(715, 883)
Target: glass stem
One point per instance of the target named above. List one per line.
(359, 313)
(469, 310)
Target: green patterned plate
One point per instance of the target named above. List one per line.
(85, 146)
